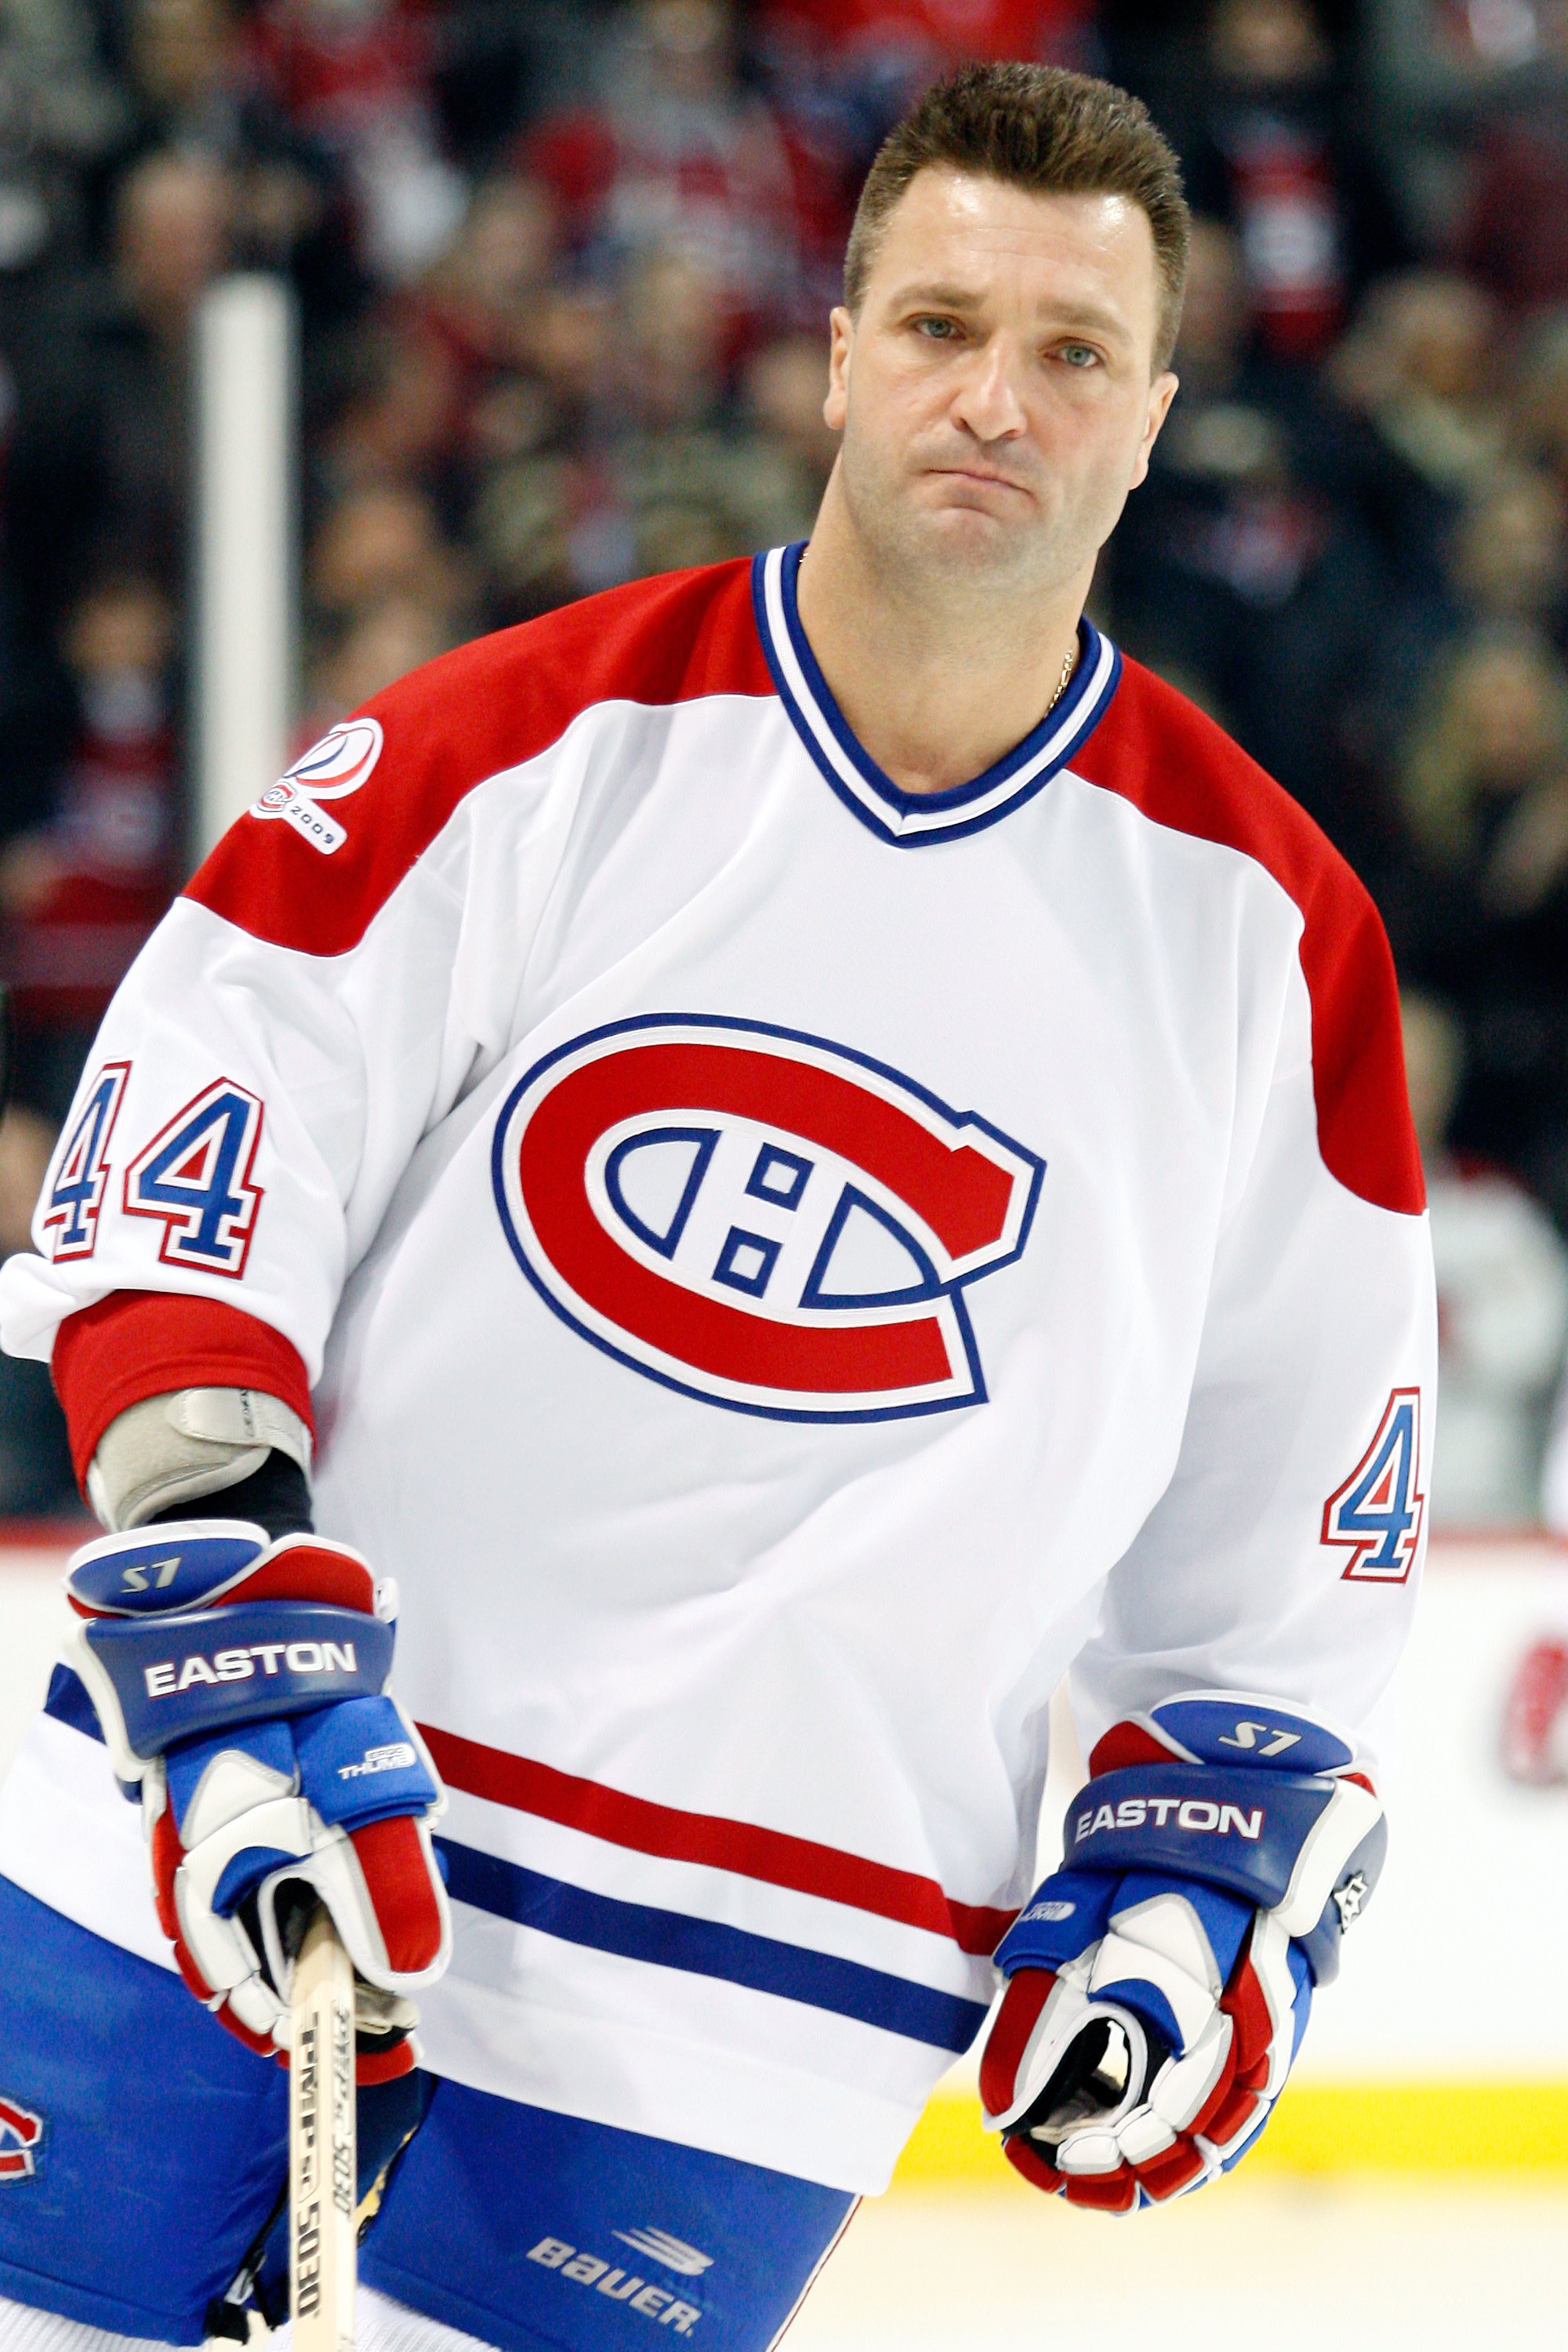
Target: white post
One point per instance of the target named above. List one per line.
(243, 680)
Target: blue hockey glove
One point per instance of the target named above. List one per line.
(1159, 1984)
(239, 1685)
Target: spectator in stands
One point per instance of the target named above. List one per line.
(1432, 69)
(663, 475)
(679, 157)
(61, 119)
(543, 516)
(1244, 565)
(378, 539)
(383, 542)
(79, 896)
(1502, 1303)
(1419, 366)
(1493, 727)
(1501, 558)
(483, 295)
(906, 44)
(1510, 550)
(1275, 153)
(386, 399)
(786, 385)
(173, 224)
(1501, 561)
(194, 91)
(527, 474)
(1516, 237)
(14, 678)
(1485, 783)
(359, 83)
(380, 642)
(489, 316)
(187, 73)
(840, 72)
(26, 1139)
(693, 486)
(36, 1478)
(546, 527)
(670, 347)
(1540, 404)
(876, 57)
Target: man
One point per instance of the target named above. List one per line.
(819, 1150)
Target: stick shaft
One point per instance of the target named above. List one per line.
(321, 2156)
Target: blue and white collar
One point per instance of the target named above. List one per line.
(909, 819)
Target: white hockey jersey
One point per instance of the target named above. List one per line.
(782, 1267)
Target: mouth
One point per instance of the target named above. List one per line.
(981, 477)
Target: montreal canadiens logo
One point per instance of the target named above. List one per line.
(20, 2132)
(761, 1219)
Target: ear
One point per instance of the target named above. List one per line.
(1160, 394)
(835, 407)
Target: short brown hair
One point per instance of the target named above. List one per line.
(1036, 127)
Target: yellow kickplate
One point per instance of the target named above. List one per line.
(1318, 2127)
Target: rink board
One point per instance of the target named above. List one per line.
(1319, 2129)
(1444, 2048)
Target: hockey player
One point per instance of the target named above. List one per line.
(791, 1151)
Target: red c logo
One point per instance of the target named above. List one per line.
(760, 1218)
(20, 2131)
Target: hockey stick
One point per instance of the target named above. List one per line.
(321, 2154)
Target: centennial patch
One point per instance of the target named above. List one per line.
(331, 769)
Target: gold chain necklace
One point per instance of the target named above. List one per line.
(1068, 667)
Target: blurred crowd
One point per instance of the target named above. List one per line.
(562, 269)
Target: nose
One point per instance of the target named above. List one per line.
(988, 400)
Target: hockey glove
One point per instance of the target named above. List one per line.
(1159, 1983)
(239, 1682)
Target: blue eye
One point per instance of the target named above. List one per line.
(1079, 355)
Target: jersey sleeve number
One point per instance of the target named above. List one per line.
(70, 1218)
(194, 1176)
(1376, 1514)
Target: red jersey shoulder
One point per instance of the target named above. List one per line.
(303, 870)
(1174, 762)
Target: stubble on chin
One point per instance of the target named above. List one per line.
(919, 540)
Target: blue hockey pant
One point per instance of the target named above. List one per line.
(142, 2149)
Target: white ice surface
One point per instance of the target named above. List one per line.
(1292, 2269)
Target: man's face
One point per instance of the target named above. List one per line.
(997, 391)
